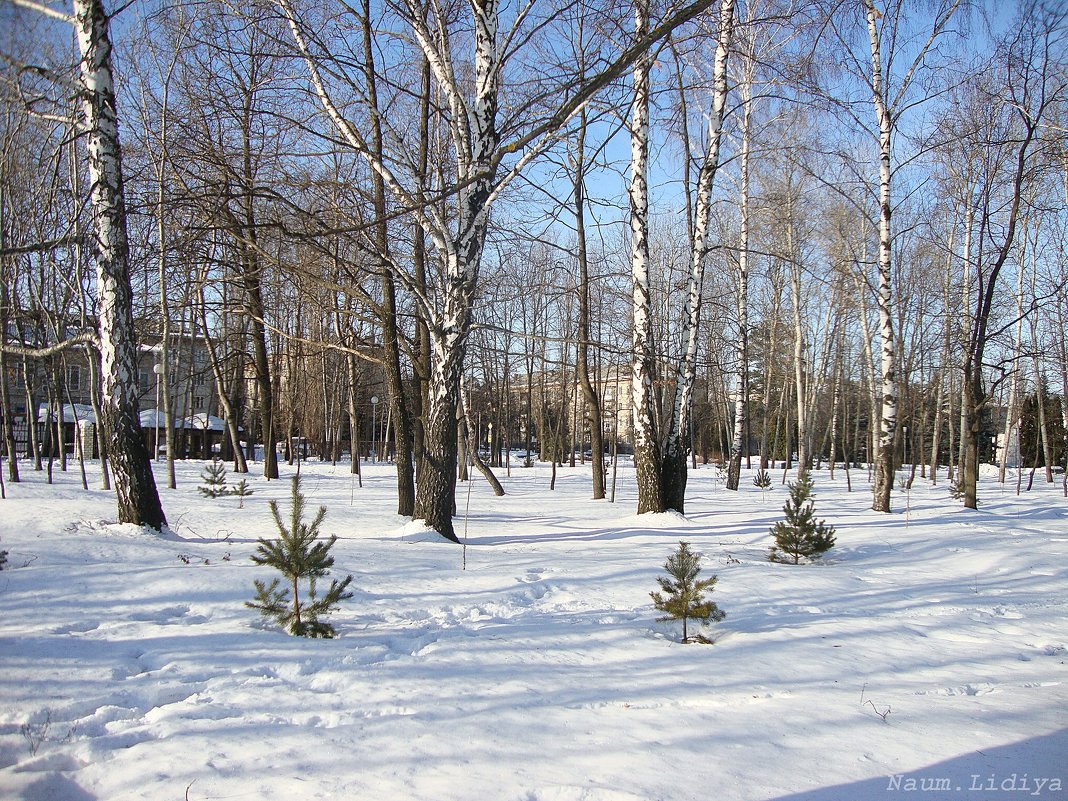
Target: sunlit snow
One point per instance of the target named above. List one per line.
(928, 646)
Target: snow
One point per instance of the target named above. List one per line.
(80, 412)
(928, 647)
(154, 418)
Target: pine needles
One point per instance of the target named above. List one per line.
(683, 592)
(302, 558)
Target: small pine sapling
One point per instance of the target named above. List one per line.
(214, 478)
(3, 559)
(762, 479)
(242, 490)
(301, 557)
(800, 534)
(682, 596)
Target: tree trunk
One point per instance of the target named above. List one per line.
(437, 483)
(421, 358)
(261, 363)
(1011, 413)
(965, 319)
(5, 399)
(225, 406)
(800, 389)
(884, 463)
(660, 458)
(582, 368)
(739, 440)
(677, 443)
(353, 372)
(647, 455)
(399, 411)
(472, 447)
(135, 486)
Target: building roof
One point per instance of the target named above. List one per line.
(71, 412)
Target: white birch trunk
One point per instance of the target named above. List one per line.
(675, 446)
(469, 105)
(1011, 411)
(800, 389)
(884, 466)
(138, 499)
(741, 289)
(966, 306)
(647, 457)
(1040, 389)
(836, 410)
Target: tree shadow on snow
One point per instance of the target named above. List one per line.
(1033, 768)
(53, 787)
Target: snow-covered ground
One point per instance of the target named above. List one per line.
(924, 658)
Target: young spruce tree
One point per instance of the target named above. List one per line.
(800, 534)
(682, 597)
(300, 557)
(762, 480)
(214, 478)
(242, 490)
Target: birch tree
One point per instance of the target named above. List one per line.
(660, 451)
(489, 151)
(135, 486)
(739, 435)
(892, 36)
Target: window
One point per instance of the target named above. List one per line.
(198, 380)
(144, 380)
(198, 403)
(74, 378)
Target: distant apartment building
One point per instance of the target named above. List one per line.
(55, 395)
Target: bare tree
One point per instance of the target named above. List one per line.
(660, 449)
(1026, 82)
(488, 155)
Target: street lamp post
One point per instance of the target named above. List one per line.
(489, 443)
(374, 427)
(157, 368)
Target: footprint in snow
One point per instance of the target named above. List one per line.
(168, 614)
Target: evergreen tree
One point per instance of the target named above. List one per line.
(762, 479)
(800, 534)
(682, 597)
(301, 557)
(3, 559)
(214, 478)
(242, 490)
